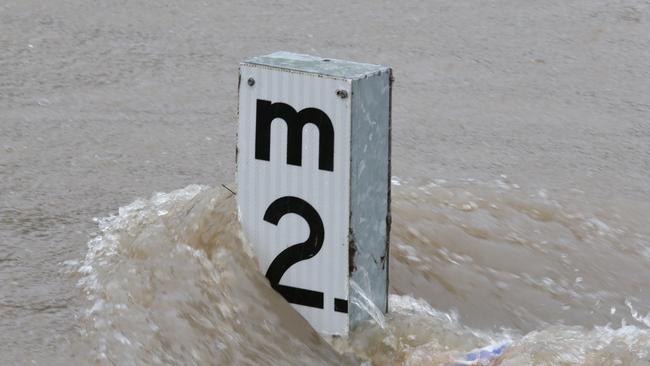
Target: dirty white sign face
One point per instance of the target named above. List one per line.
(294, 186)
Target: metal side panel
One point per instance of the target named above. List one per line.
(370, 195)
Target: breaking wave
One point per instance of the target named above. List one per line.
(481, 273)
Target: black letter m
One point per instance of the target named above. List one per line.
(267, 112)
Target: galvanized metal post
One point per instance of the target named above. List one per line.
(313, 170)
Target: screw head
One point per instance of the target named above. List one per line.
(251, 81)
(341, 93)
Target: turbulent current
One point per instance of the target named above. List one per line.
(473, 266)
(543, 258)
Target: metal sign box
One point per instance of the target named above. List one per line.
(313, 171)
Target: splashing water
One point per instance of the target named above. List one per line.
(481, 273)
(171, 281)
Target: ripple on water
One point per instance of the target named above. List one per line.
(169, 279)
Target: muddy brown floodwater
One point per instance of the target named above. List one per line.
(521, 162)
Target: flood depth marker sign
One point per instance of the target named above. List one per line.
(313, 171)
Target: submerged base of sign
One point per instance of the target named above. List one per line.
(313, 169)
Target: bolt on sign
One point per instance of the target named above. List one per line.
(313, 171)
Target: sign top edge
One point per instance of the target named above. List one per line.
(316, 65)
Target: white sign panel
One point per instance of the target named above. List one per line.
(294, 173)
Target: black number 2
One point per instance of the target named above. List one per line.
(297, 252)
